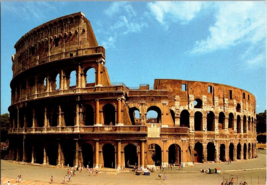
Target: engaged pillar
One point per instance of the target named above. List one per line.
(119, 154)
(96, 153)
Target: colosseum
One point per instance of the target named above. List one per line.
(98, 124)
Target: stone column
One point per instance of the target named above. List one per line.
(79, 76)
(119, 154)
(59, 116)
(226, 123)
(14, 122)
(17, 117)
(216, 124)
(235, 153)
(59, 151)
(227, 157)
(242, 152)
(17, 157)
(45, 157)
(217, 151)
(23, 149)
(97, 112)
(25, 122)
(26, 90)
(35, 87)
(119, 112)
(77, 118)
(76, 152)
(241, 125)
(204, 122)
(61, 84)
(32, 154)
(98, 73)
(45, 118)
(205, 153)
(47, 84)
(191, 123)
(142, 153)
(235, 123)
(96, 153)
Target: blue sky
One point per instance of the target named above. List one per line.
(222, 42)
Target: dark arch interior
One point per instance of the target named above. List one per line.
(210, 121)
(222, 119)
(109, 114)
(69, 115)
(39, 153)
(69, 152)
(156, 154)
(132, 115)
(109, 156)
(238, 124)
(245, 151)
(52, 152)
(211, 152)
(198, 103)
(89, 115)
(198, 121)
(231, 152)
(222, 152)
(173, 116)
(198, 153)
(156, 109)
(231, 121)
(87, 152)
(239, 151)
(184, 119)
(174, 154)
(131, 158)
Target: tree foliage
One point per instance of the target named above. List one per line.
(261, 122)
(4, 126)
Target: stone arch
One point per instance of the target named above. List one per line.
(155, 152)
(198, 152)
(238, 107)
(239, 151)
(71, 78)
(52, 153)
(231, 151)
(222, 120)
(55, 80)
(109, 114)
(87, 155)
(231, 121)
(154, 119)
(131, 158)
(39, 152)
(69, 114)
(174, 154)
(249, 151)
(41, 83)
(238, 122)
(39, 116)
(245, 151)
(109, 155)
(68, 149)
(249, 124)
(184, 119)
(244, 124)
(89, 115)
(135, 116)
(173, 116)
(89, 76)
(211, 152)
(210, 121)
(198, 121)
(222, 152)
(53, 116)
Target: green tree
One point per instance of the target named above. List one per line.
(261, 122)
(4, 126)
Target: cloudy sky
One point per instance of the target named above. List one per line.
(222, 42)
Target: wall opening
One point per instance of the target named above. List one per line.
(239, 151)
(244, 124)
(222, 153)
(52, 152)
(109, 114)
(222, 120)
(231, 151)
(109, 156)
(134, 116)
(210, 121)
(245, 151)
(89, 115)
(231, 121)
(69, 152)
(183, 87)
(238, 108)
(131, 158)
(153, 115)
(198, 153)
(238, 124)
(184, 119)
(90, 77)
(211, 152)
(87, 153)
(174, 154)
(198, 103)
(198, 121)
(155, 152)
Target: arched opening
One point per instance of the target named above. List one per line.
(198, 152)
(184, 119)
(231, 151)
(71, 79)
(20, 151)
(21, 118)
(134, 116)
(53, 117)
(87, 152)
(109, 114)
(210, 121)
(28, 152)
(211, 152)
(239, 151)
(222, 120)
(231, 121)
(245, 151)
(155, 152)
(174, 154)
(153, 115)
(52, 152)
(39, 117)
(249, 151)
(198, 121)
(89, 115)
(249, 125)
(222, 153)
(90, 77)
(198, 103)
(69, 115)
(39, 153)
(238, 108)
(173, 116)
(31, 84)
(55, 81)
(238, 124)
(131, 158)
(109, 156)
(244, 124)
(69, 152)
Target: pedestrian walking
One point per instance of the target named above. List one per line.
(64, 179)
(96, 173)
(159, 175)
(19, 178)
(8, 183)
(165, 176)
(69, 177)
(51, 179)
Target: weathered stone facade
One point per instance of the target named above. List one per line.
(96, 123)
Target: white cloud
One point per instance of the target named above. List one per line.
(115, 8)
(236, 22)
(109, 42)
(170, 11)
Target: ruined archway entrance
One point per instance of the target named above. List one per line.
(109, 114)
(153, 115)
(222, 152)
(69, 151)
(131, 157)
(211, 152)
(175, 154)
(239, 151)
(109, 156)
(156, 154)
(245, 151)
(87, 153)
(238, 121)
(210, 121)
(231, 151)
(134, 116)
(198, 153)
(52, 152)
(198, 121)
(231, 121)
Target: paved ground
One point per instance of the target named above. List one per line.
(252, 171)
